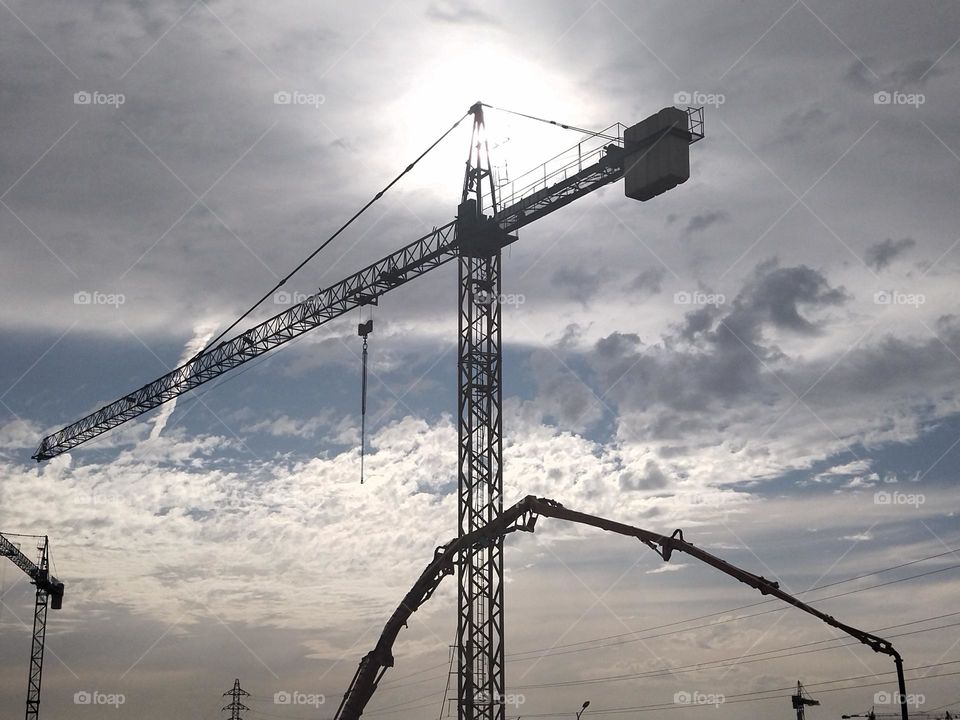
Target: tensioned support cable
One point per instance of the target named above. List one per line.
(330, 239)
(592, 133)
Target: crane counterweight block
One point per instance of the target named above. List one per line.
(658, 154)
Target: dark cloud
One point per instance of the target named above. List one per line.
(720, 363)
(698, 321)
(460, 12)
(899, 365)
(703, 221)
(652, 478)
(881, 254)
(578, 283)
(718, 353)
(563, 397)
(775, 295)
(909, 75)
(798, 126)
(648, 281)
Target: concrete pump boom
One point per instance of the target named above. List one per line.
(523, 517)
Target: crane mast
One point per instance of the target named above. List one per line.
(801, 701)
(480, 239)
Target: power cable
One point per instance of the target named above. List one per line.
(516, 655)
(744, 607)
(395, 682)
(720, 663)
(748, 697)
(547, 651)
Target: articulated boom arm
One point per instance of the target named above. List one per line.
(665, 546)
(562, 185)
(523, 517)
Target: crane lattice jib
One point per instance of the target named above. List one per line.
(40, 576)
(601, 166)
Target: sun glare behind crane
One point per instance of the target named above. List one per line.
(442, 91)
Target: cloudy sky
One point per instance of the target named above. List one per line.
(767, 356)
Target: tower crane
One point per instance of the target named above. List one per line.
(651, 157)
(49, 592)
(801, 701)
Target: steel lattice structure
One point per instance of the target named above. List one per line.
(235, 707)
(653, 156)
(48, 588)
(599, 167)
(480, 650)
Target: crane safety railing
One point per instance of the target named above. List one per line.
(573, 160)
(558, 168)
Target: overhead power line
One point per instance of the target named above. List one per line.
(743, 607)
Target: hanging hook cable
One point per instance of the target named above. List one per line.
(332, 237)
(363, 330)
(592, 133)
